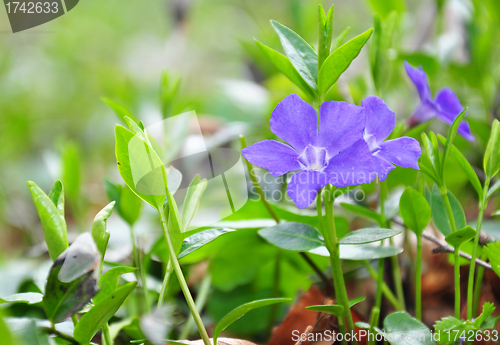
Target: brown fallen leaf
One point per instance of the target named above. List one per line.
(220, 341)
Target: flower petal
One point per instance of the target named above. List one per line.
(449, 108)
(425, 111)
(340, 125)
(304, 186)
(380, 120)
(403, 151)
(419, 78)
(383, 168)
(295, 121)
(353, 166)
(274, 156)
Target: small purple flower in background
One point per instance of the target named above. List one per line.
(446, 106)
(380, 122)
(331, 152)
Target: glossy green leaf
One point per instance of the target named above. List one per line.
(414, 210)
(293, 236)
(99, 230)
(400, 324)
(360, 251)
(368, 235)
(340, 60)
(286, 67)
(53, 223)
(56, 194)
(301, 55)
(432, 155)
(192, 200)
(440, 214)
(72, 280)
(363, 212)
(451, 135)
(25, 297)
(109, 281)
(149, 187)
(492, 154)
(459, 237)
(242, 310)
(199, 239)
(119, 109)
(101, 312)
(130, 205)
(465, 165)
(492, 250)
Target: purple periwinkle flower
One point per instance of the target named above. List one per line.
(380, 122)
(337, 150)
(445, 106)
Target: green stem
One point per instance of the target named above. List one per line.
(74, 318)
(163, 292)
(478, 284)
(453, 225)
(418, 280)
(201, 299)
(182, 282)
(138, 275)
(398, 280)
(385, 289)
(61, 335)
(375, 314)
(338, 277)
(106, 337)
(470, 286)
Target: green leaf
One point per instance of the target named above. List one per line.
(100, 313)
(488, 309)
(368, 235)
(130, 206)
(53, 223)
(293, 236)
(302, 56)
(384, 8)
(335, 309)
(72, 280)
(150, 185)
(492, 250)
(56, 194)
(360, 251)
(339, 40)
(26, 297)
(400, 325)
(325, 34)
(109, 281)
(99, 230)
(238, 312)
(466, 167)
(493, 189)
(432, 154)
(71, 172)
(119, 109)
(286, 67)
(363, 212)
(440, 215)
(451, 135)
(379, 47)
(340, 60)
(492, 154)
(7, 337)
(199, 239)
(459, 237)
(192, 200)
(414, 210)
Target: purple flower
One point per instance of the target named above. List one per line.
(332, 151)
(446, 106)
(380, 122)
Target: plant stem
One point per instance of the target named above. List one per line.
(385, 289)
(201, 299)
(478, 284)
(182, 282)
(106, 337)
(375, 314)
(163, 292)
(338, 277)
(451, 217)
(61, 335)
(418, 280)
(74, 318)
(470, 287)
(139, 274)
